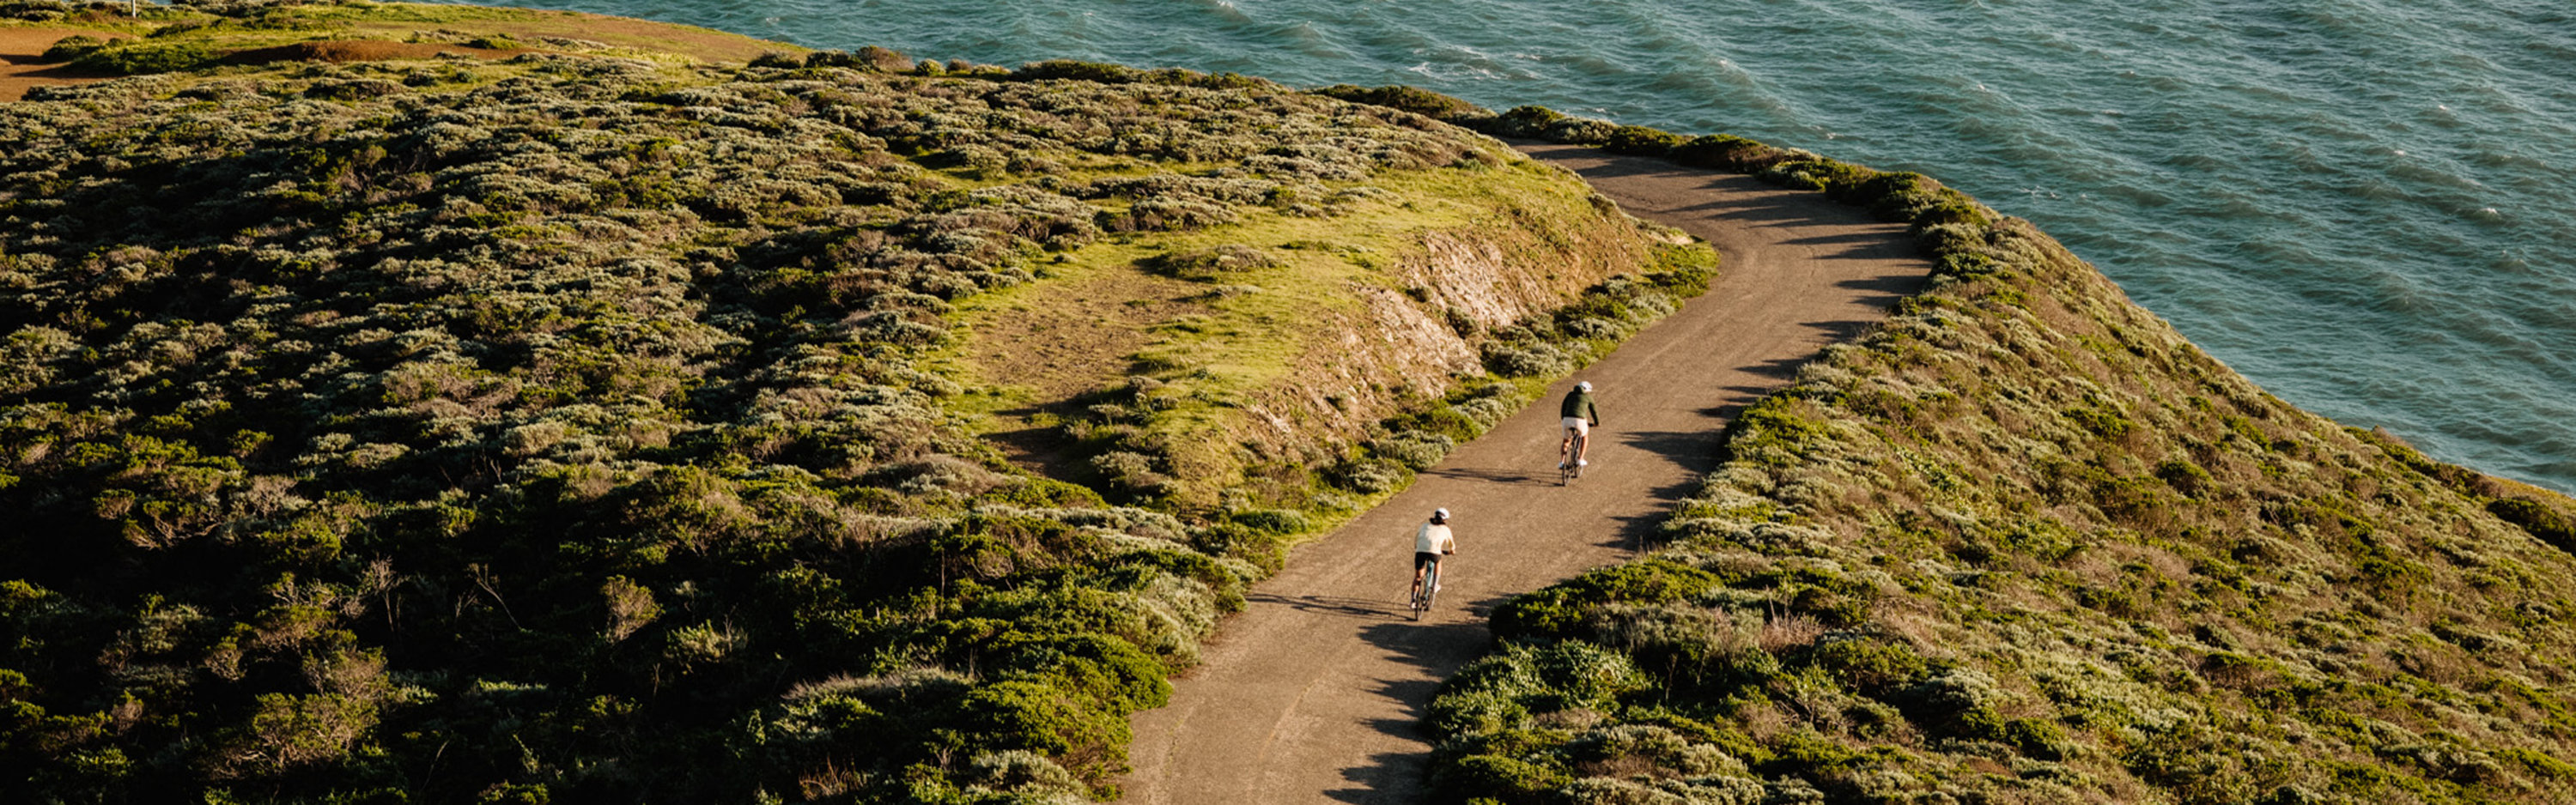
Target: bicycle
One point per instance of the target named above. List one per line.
(1567, 468)
(1426, 591)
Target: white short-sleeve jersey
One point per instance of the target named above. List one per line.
(1434, 538)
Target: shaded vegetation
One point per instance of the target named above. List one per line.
(569, 428)
(2023, 542)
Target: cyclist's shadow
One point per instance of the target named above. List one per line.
(1351, 605)
(1494, 475)
(1448, 638)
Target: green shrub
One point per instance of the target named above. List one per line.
(1265, 550)
(1369, 476)
(1650, 581)
(2538, 764)
(1806, 753)
(1841, 181)
(1070, 69)
(1502, 779)
(1556, 610)
(144, 58)
(1580, 131)
(35, 10)
(1870, 666)
(1212, 264)
(1132, 473)
(1967, 213)
(1047, 493)
(1406, 98)
(2186, 477)
(1727, 152)
(1965, 265)
(2042, 740)
(1526, 359)
(2543, 522)
(1527, 122)
(1955, 702)
(1273, 521)
(1642, 141)
(73, 47)
(1014, 714)
(1549, 612)
(1416, 451)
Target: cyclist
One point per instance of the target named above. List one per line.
(1430, 542)
(1580, 417)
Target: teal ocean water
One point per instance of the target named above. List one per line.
(2368, 206)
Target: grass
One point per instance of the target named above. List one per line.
(180, 38)
(1234, 359)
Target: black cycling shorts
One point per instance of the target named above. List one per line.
(1423, 559)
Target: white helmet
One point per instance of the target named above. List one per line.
(1440, 514)
(1583, 386)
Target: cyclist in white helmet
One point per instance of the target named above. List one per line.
(1430, 542)
(1580, 416)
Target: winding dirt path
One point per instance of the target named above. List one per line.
(1314, 692)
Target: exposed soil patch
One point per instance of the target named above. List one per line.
(1073, 337)
(20, 52)
(1069, 339)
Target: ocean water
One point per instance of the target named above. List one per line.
(2367, 206)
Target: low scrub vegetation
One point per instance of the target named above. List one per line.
(568, 428)
(2023, 542)
(192, 35)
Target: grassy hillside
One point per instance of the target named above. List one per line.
(213, 33)
(587, 428)
(2024, 543)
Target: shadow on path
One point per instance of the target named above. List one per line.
(1436, 649)
(1351, 606)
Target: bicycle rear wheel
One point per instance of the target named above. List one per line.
(1430, 591)
(1571, 467)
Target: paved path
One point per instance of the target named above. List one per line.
(1314, 692)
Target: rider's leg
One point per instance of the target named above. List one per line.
(1581, 446)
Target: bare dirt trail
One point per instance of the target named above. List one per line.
(1314, 692)
(22, 51)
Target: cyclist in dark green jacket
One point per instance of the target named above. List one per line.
(1580, 416)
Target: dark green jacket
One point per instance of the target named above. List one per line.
(1579, 404)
